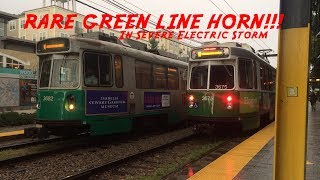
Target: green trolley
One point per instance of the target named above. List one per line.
(100, 87)
(229, 84)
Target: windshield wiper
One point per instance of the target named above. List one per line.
(229, 73)
(61, 67)
(60, 74)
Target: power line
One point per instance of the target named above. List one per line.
(125, 9)
(111, 14)
(140, 9)
(151, 22)
(231, 7)
(217, 7)
(238, 15)
(100, 6)
(144, 10)
(225, 14)
(117, 6)
(128, 10)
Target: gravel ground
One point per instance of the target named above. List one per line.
(57, 166)
(205, 160)
(151, 165)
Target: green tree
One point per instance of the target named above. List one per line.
(153, 43)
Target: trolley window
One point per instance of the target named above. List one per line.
(45, 73)
(221, 77)
(102, 63)
(159, 77)
(118, 71)
(173, 78)
(263, 77)
(105, 70)
(246, 79)
(65, 73)
(255, 78)
(273, 82)
(199, 77)
(266, 78)
(143, 75)
(270, 79)
(183, 79)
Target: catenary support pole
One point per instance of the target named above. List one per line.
(292, 89)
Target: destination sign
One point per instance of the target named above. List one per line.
(210, 52)
(53, 45)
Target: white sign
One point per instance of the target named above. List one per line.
(165, 100)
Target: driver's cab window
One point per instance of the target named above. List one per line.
(97, 70)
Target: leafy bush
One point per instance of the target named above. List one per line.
(16, 119)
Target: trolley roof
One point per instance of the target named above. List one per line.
(78, 44)
(229, 50)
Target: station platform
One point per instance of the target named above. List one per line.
(14, 131)
(253, 158)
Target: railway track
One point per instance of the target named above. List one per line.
(88, 161)
(171, 162)
(208, 157)
(27, 142)
(36, 148)
(85, 174)
(71, 162)
(211, 155)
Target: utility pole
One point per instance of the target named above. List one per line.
(292, 89)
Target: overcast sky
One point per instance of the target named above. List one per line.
(156, 7)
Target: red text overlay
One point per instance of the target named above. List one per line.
(180, 26)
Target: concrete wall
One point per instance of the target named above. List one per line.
(9, 92)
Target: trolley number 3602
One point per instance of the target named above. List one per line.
(47, 98)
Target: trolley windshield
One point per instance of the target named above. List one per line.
(220, 77)
(59, 73)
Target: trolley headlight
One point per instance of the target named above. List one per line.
(70, 103)
(71, 106)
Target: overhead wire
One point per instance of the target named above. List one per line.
(156, 17)
(127, 9)
(83, 3)
(225, 14)
(239, 15)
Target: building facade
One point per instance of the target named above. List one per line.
(4, 18)
(16, 29)
(18, 65)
